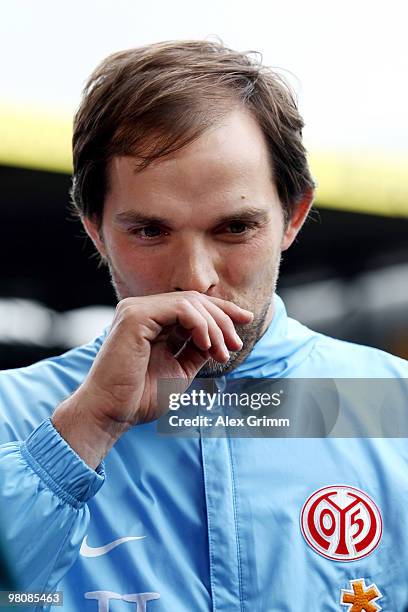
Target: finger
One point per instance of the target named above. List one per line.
(224, 322)
(232, 310)
(218, 349)
(192, 320)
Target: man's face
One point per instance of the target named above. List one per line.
(207, 218)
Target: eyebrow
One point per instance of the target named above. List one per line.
(133, 217)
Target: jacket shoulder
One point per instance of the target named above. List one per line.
(339, 358)
(30, 394)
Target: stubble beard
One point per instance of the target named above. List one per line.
(249, 334)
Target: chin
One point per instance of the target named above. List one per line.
(214, 369)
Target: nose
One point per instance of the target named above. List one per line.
(194, 267)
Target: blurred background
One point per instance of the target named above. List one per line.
(347, 275)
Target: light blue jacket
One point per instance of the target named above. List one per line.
(223, 524)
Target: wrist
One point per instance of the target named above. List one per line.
(91, 437)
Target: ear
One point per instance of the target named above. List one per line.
(94, 231)
(297, 219)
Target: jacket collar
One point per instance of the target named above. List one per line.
(284, 345)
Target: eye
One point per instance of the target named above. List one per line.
(238, 227)
(147, 232)
(239, 231)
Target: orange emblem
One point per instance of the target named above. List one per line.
(361, 598)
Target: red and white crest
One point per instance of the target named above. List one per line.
(341, 523)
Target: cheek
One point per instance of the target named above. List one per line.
(253, 265)
(143, 272)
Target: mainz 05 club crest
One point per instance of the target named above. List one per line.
(341, 523)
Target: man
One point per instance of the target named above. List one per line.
(191, 179)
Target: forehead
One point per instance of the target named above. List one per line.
(227, 163)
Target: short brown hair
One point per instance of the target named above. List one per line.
(151, 101)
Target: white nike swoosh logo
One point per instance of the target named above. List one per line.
(90, 551)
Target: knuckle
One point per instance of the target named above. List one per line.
(184, 305)
(224, 317)
(221, 318)
(124, 305)
(191, 297)
(205, 324)
(127, 313)
(219, 333)
(119, 307)
(125, 302)
(193, 293)
(196, 303)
